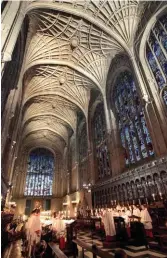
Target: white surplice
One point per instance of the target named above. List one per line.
(34, 229)
(136, 212)
(27, 227)
(146, 219)
(109, 225)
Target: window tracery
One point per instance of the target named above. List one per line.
(101, 148)
(132, 126)
(39, 173)
(156, 53)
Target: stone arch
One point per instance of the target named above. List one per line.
(121, 65)
(124, 191)
(129, 191)
(134, 189)
(143, 40)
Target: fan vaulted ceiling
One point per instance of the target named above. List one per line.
(70, 48)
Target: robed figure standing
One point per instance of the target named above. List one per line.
(109, 225)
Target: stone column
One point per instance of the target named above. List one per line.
(107, 118)
(91, 154)
(23, 174)
(12, 19)
(75, 167)
(56, 175)
(66, 171)
(116, 164)
(6, 119)
(89, 167)
(117, 155)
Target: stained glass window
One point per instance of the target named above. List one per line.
(83, 148)
(83, 145)
(156, 53)
(133, 130)
(39, 173)
(101, 149)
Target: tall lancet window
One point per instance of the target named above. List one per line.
(39, 173)
(100, 140)
(156, 53)
(83, 148)
(133, 130)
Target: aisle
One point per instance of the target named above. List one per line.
(13, 251)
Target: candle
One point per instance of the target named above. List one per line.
(153, 195)
(160, 195)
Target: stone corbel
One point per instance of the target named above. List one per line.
(147, 99)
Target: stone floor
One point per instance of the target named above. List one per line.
(14, 250)
(131, 251)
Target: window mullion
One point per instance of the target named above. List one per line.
(28, 183)
(137, 138)
(163, 26)
(144, 138)
(133, 122)
(35, 175)
(127, 147)
(38, 172)
(159, 66)
(123, 125)
(162, 47)
(132, 144)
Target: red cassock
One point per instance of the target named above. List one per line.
(62, 242)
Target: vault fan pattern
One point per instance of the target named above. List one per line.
(69, 52)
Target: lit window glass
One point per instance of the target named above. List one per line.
(132, 126)
(101, 149)
(156, 53)
(39, 173)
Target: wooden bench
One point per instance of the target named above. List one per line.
(94, 250)
(56, 251)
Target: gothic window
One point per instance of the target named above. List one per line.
(101, 149)
(39, 173)
(156, 53)
(132, 126)
(83, 147)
